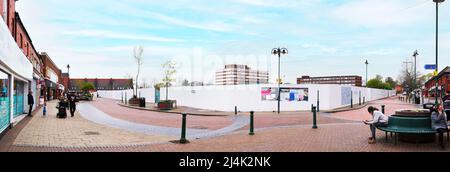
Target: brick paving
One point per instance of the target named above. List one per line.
(158, 118)
(288, 132)
(392, 104)
(50, 131)
(93, 114)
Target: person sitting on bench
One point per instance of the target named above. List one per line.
(379, 120)
(439, 123)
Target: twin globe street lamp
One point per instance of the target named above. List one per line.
(279, 52)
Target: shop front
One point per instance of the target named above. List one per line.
(16, 74)
(4, 101)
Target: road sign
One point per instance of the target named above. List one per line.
(430, 67)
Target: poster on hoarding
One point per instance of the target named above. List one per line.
(287, 94)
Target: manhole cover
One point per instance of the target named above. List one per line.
(90, 133)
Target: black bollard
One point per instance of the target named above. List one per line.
(360, 98)
(314, 118)
(351, 100)
(252, 123)
(383, 109)
(235, 110)
(183, 139)
(364, 100)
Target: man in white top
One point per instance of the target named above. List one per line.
(379, 120)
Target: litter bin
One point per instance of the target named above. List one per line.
(142, 102)
(417, 100)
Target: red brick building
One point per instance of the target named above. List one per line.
(53, 78)
(102, 84)
(443, 83)
(8, 10)
(340, 80)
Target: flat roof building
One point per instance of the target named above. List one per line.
(352, 80)
(235, 74)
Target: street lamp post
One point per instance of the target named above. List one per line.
(416, 53)
(437, 47)
(279, 52)
(367, 71)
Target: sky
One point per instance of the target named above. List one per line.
(324, 37)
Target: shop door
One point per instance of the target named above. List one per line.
(18, 98)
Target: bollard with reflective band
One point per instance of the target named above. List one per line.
(183, 130)
(314, 118)
(252, 123)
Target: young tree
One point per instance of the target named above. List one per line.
(391, 82)
(169, 69)
(138, 52)
(87, 86)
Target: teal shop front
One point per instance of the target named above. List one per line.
(4, 101)
(19, 98)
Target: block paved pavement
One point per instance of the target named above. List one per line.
(275, 133)
(77, 132)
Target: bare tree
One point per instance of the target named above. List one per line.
(138, 52)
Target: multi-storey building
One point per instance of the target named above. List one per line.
(339, 80)
(234, 74)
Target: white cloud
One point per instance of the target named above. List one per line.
(380, 13)
(116, 35)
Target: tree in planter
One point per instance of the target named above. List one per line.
(87, 86)
(169, 71)
(138, 52)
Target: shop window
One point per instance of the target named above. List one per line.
(4, 101)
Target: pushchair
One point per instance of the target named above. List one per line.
(62, 109)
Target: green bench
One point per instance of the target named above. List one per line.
(408, 125)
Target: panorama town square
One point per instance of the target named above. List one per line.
(137, 76)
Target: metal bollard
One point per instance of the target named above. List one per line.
(360, 98)
(383, 109)
(314, 118)
(235, 110)
(126, 100)
(183, 130)
(121, 97)
(318, 101)
(312, 106)
(351, 101)
(364, 100)
(252, 123)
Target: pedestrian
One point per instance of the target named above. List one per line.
(72, 104)
(379, 120)
(44, 110)
(30, 102)
(439, 123)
